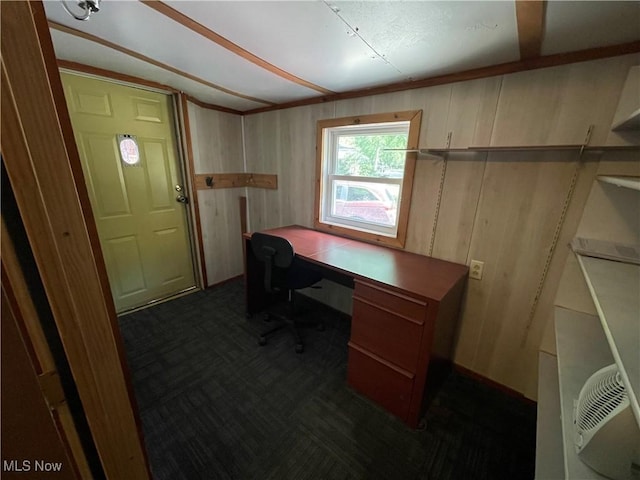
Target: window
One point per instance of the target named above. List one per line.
(365, 175)
(129, 152)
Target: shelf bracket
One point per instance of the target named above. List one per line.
(423, 152)
(586, 139)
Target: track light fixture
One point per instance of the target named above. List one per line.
(88, 7)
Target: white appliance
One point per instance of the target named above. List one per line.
(607, 436)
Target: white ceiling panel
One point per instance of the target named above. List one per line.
(143, 30)
(69, 47)
(305, 38)
(337, 45)
(571, 26)
(421, 39)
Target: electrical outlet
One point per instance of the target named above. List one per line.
(475, 269)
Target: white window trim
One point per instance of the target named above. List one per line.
(415, 118)
(330, 136)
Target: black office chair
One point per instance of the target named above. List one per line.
(283, 275)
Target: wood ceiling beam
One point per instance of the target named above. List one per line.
(474, 74)
(123, 77)
(144, 58)
(530, 19)
(211, 106)
(191, 24)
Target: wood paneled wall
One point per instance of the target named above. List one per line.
(508, 209)
(217, 147)
(557, 105)
(279, 143)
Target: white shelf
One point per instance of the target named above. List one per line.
(632, 122)
(621, 181)
(615, 289)
(582, 350)
(439, 152)
(627, 116)
(549, 450)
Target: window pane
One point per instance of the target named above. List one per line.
(363, 190)
(365, 202)
(129, 152)
(364, 155)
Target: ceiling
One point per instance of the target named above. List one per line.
(249, 55)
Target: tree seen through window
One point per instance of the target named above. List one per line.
(365, 155)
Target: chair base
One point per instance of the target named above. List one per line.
(291, 325)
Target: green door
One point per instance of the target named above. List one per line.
(134, 195)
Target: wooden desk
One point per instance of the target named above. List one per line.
(405, 309)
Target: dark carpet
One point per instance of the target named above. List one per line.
(215, 405)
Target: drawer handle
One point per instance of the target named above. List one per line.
(384, 309)
(392, 293)
(405, 373)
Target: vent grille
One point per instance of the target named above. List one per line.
(599, 398)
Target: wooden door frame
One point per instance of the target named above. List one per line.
(23, 307)
(44, 169)
(181, 107)
(184, 152)
(32, 432)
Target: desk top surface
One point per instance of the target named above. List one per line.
(417, 275)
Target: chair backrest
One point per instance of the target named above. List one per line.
(277, 254)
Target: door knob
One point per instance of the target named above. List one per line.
(182, 199)
(178, 188)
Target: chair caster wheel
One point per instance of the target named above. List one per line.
(299, 348)
(320, 327)
(262, 341)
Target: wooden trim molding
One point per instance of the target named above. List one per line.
(186, 125)
(38, 432)
(414, 117)
(44, 172)
(492, 383)
(235, 180)
(137, 81)
(211, 106)
(243, 215)
(474, 74)
(42, 358)
(224, 282)
(46, 44)
(110, 74)
(191, 24)
(51, 387)
(144, 58)
(530, 19)
(35, 341)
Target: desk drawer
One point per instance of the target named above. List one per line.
(394, 338)
(392, 301)
(386, 385)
